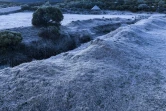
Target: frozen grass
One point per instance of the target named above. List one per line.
(23, 19)
(122, 71)
(15, 20)
(10, 9)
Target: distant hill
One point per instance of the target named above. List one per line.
(30, 1)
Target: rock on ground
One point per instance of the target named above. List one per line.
(121, 71)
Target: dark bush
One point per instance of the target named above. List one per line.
(46, 16)
(85, 38)
(51, 32)
(8, 38)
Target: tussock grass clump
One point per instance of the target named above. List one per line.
(9, 38)
(51, 32)
(25, 7)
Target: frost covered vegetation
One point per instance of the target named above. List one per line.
(122, 71)
(51, 43)
(132, 5)
(9, 39)
(45, 42)
(47, 39)
(46, 16)
(49, 19)
(4, 4)
(50, 32)
(120, 66)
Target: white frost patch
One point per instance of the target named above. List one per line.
(74, 17)
(23, 19)
(10, 9)
(15, 20)
(124, 70)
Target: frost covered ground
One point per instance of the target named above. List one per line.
(121, 71)
(10, 9)
(24, 19)
(73, 35)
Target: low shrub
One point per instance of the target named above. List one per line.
(85, 5)
(131, 5)
(46, 16)
(51, 32)
(25, 7)
(28, 7)
(143, 7)
(85, 38)
(9, 38)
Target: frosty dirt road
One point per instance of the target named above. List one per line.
(124, 70)
(23, 19)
